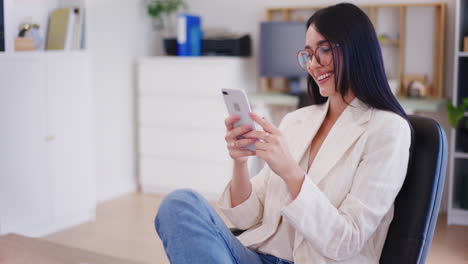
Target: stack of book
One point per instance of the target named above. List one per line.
(65, 30)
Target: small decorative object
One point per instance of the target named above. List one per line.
(415, 85)
(28, 38)
(24, 44)
(387, 36)
(382, 36)
(417, 89)
(465, 44)
(163, 14)
(458, 120)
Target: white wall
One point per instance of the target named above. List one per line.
(118, 32)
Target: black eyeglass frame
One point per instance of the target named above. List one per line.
(313, 54)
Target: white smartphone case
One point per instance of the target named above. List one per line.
(237, 104)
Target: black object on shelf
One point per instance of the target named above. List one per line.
(462, 135)
(240, 47)
(464, 192)
(2, 27)
(170, 46)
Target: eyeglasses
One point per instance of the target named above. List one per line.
(323, 54)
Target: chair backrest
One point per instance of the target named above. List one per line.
(417, 204)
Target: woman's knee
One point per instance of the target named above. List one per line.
(175, 203)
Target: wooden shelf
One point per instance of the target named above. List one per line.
(42, 53)
(395, 42)
(420, 104)
(272, 98)
(409, 104)
(458, 216)
(460, 155)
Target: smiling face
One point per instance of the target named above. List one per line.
(323, 74)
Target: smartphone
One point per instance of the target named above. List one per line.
(238, 104)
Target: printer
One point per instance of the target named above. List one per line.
(217, 46)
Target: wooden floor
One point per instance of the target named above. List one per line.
(124, 228)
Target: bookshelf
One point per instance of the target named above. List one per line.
(458, 162)
(37, 12)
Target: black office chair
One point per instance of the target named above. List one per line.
(417, 205)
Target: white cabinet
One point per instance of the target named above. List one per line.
(181, 122)
(46, 159)
(23, 164)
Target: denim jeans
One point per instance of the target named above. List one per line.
(192, 232)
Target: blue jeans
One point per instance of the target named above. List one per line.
(192, 232)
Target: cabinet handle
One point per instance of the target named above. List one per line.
(50, 138)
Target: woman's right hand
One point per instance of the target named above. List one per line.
(236, 146)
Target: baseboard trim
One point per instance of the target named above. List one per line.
(65, 222)
(107, 196)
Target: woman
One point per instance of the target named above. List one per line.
(332, 170)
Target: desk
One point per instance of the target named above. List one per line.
(274, 106)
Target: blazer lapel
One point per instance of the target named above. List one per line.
(347, 129)
(306, 129)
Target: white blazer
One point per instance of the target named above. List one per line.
(345, 205)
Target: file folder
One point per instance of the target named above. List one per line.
(189, 35)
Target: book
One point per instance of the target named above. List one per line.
(61, 29)
(189, 35)
(78, 28)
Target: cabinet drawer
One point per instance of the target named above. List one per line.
(191, 144)
(182, 113)
(168, 175)
(192, 77)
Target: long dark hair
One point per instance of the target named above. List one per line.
(363, 69)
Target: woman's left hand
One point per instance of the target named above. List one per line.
(273, 149)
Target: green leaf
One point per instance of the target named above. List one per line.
(158, 7)
(454, 114)
(465, 103)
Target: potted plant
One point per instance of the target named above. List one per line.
(163, 14)
(458, 120)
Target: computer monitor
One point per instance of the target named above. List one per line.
(279, 43)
